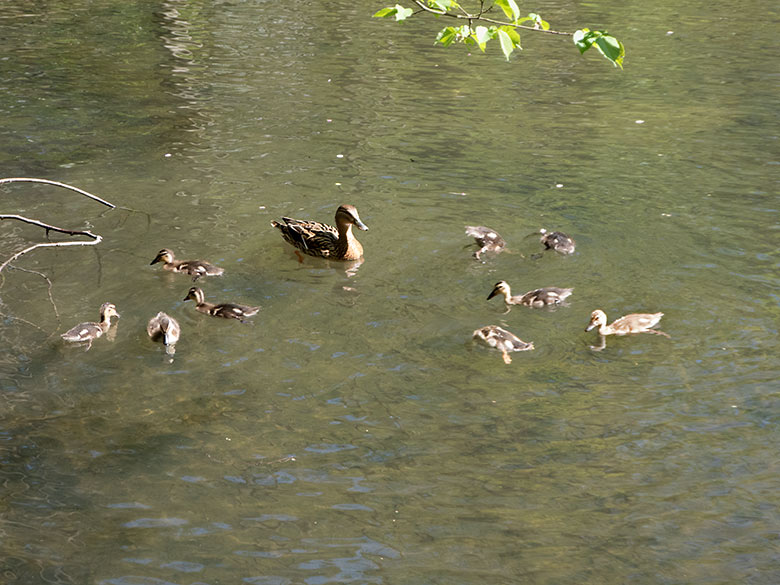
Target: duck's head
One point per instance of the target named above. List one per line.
(348, 214)
(597, 319)
(500, 288)
(165, 255)
(108, 310)
(195, 294)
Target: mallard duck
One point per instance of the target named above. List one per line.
(488, 239)
(319, 239)
(502, 340)
(540, 297)
(91, 330)
(633, 323)
(195, 268)
(557, 241)
(166, 328)
(225, 310)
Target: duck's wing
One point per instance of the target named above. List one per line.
(485, 235)
(550, 295)
(233, 311)
(198, 268)
(636, 322)
(312, 237)
(82, 332)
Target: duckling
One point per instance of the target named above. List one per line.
(225, 310)
(633, 323)
(165, 327)
(540, 297)
(91, 330)
(557, 241)
(488, 239)
(195, 268)
(319, 239)
(502, 340)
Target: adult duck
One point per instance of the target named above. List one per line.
(323, 240)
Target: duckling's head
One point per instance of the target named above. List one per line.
(196, 295)
(597, 319)
(348, 214)
(108, 310)
(500, 288)
(165, 255)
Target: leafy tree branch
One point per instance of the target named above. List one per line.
(484, 23)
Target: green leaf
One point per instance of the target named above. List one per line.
(443, 5)
(446, 36)
(605, 43)
(482, 36)
(398, 11)
(611, 48)
(510, 9)
(536, 19)
(384, 12)
(506, 43)
(513, 35)
(402, 13)
(583, 39)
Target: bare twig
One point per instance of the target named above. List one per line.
(52, 228)
(48, 284)
(57, 184)
(98, 239)
(26, 322)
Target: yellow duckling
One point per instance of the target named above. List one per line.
(633, 323)
(540, 297)
(502, 340)
(488, 239)
(195, 268)
(557, 241)
(320, 239)
(166, 328)
(91, 330)
(224, 310)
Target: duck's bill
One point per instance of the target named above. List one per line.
(590, 326)
(361, 225)
(493, 293)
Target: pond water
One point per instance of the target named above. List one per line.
(352, 432)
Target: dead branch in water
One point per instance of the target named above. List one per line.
(57, 184)
(96, 238)
(93, 240)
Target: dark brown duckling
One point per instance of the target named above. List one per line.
(195, 268)
(540, 297)
(502, 340)
(489, 239)
(224, 310)
(557, 241)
